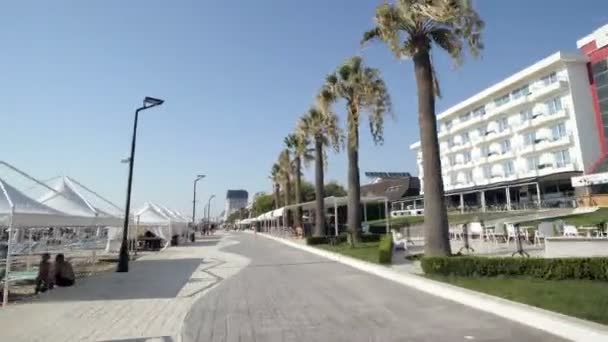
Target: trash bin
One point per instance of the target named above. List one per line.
(174, 240)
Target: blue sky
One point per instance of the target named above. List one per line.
(235, 75)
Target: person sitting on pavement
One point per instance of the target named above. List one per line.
(64, 274)
(44, 280)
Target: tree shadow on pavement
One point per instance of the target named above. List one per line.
(146, 279)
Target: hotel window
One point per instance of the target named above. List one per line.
(526, 114)
(501, 100)
(450, 141)
(549, 79)
(487, 171)
(453, 179)
(467, 157)
(469, 176)
(503, 124)
(480, 111)
(485, 151)
(465, 137)
(533, 163)
(505, 146)
(465, 117)
(509, 168)
(562, 158)
(452, 160)
(448, 124)
(529, 138)
(558, 131)
(554, 105)
(482, 131)
(519, 92)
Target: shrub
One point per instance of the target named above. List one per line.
(385, 249)
(322, 240)
(370, 237)
(554, 269)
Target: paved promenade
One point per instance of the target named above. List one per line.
(148, 303)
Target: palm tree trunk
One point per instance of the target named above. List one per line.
(437, 241)
(298, 186)
(287, 222)
(354, 187)
(277, 196)
(319, 190)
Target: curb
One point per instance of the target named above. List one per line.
(554, 323)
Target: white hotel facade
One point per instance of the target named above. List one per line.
(520, 140)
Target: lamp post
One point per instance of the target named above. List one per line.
(199, 177)
(209, 208)
(123, 258)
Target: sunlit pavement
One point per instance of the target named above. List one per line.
(286, 294)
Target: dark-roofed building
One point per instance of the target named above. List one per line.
(235, 200)
(393, 185)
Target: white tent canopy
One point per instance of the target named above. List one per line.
(27, 212)
(67, 199)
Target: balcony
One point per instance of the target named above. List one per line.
(495, 135)
(498, 157)
(541, 92)
(542, 118)
(508, 107)
(462, 166)
(546, 144)
(460, 126)
(459, 147)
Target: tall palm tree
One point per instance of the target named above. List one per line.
(322, 128)
(276, 184)
(285, 173)
(298, 147)
(411, 28)
(365, 92)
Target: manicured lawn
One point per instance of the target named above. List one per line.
(584, 299)
(367, 251)
(590, 219)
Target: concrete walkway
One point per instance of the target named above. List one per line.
(286, 294)
(148, 303)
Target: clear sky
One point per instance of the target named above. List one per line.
(235, 75)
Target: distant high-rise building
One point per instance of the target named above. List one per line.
(235, 200)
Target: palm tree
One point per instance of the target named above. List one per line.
(276, 184)
(364, 91)
(298, 147)
(322, 128)
(411, 28)
(286, 169)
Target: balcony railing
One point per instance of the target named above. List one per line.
(540, 92)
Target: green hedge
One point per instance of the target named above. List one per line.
(370, 237)
(554, 269)
(322, 240)
(385, 249)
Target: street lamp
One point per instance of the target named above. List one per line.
(123, 258)
(199, 177)
(209, 209)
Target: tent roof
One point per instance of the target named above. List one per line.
(67, 199)
(150, 213)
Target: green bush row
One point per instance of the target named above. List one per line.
(385, 249)
(554, 269)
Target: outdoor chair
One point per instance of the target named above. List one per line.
(512, 233)
(545, 230)
(476, 229)
(456, 232)
(570, 231)
(399, 241)
(499, 232)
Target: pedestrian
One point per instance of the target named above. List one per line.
(44, 280)
(64, 273)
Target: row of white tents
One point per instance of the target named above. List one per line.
(63, 205)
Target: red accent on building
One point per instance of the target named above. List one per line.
(594, 54)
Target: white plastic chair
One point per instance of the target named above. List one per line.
(512, 234)
(545, 230)
(499, 232)
(399, 241)
(476, 228)
(570, 230)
